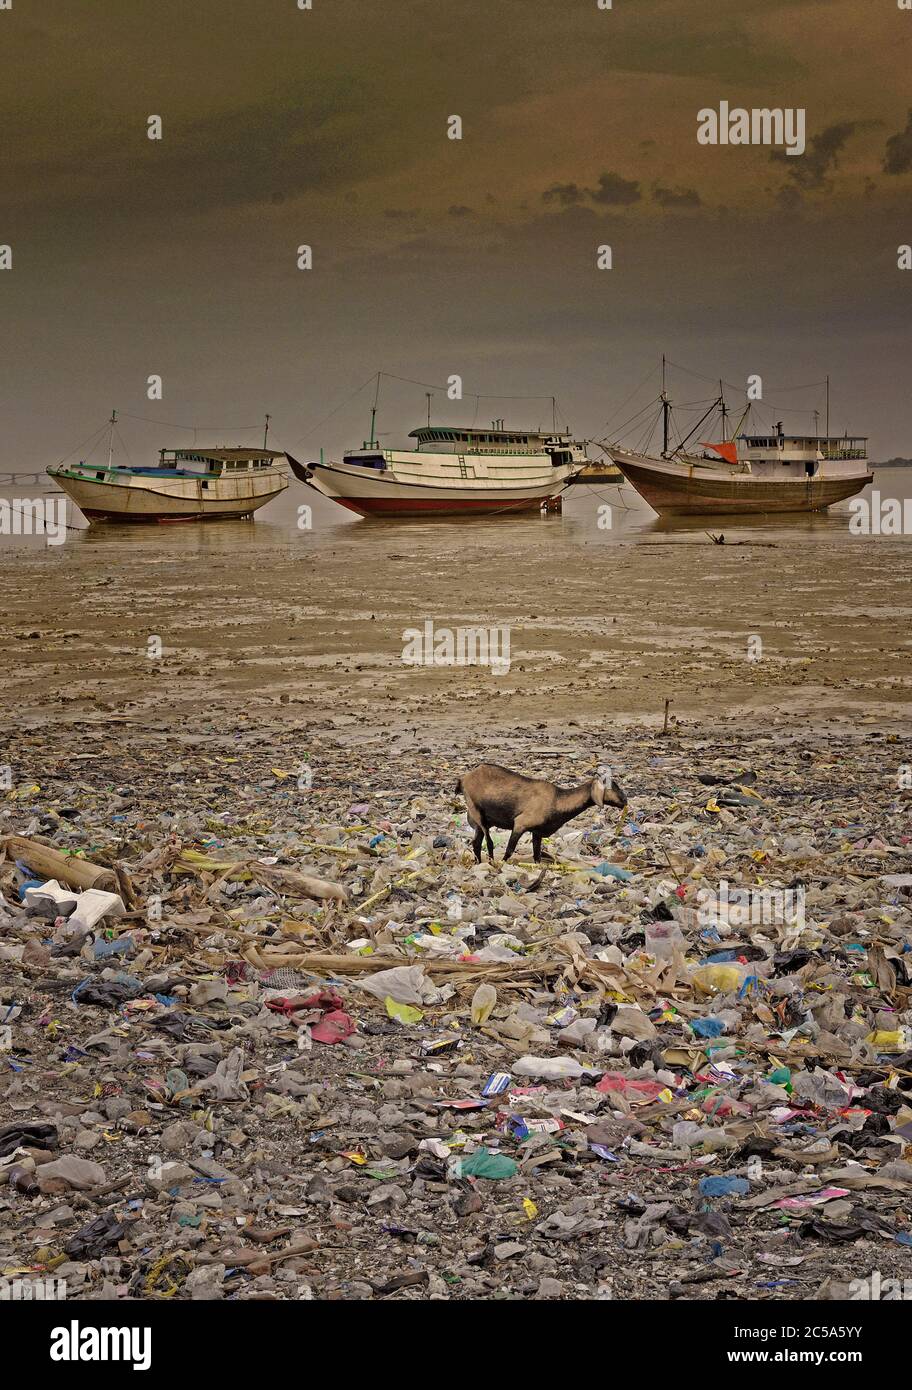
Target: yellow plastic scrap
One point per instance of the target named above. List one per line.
(156, 1273)
(888, 1041)
(404, 1013)
(749, 791)
(718, 979)
(192, 861)
(19, 793)
(530, 1208)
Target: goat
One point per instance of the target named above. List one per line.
(496, 796)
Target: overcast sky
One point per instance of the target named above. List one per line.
(433, 256)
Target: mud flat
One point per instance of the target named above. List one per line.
(250, 615)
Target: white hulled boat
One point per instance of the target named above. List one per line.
(197, 484)
(451, 471)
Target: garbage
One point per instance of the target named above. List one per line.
(33, 1136)
(679, 1050)
(405, 984)
(97, 1238)
(43, 859)
(77, 1173)
(483, 1001)
(482, 1164)
(551, 1068)
(724, 1187)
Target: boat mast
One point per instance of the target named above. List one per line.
(266, 430)
(429, 394)
(111, 441)
(371, 443)
(666, 407)
(828, 404)
(722, 408)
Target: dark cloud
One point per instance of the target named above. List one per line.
(676, 197)
(566, 194)
(810, 169)
(613, 189)
(898, 156)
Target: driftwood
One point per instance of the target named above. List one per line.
(47, 862)
(260, 1261)
(526, 970)
(289, 882)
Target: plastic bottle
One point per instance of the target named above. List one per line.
(483, 1001)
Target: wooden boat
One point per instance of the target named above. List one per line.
(748, 473)
(788, 474)
(603, 471)
(450, 472)
(197, 484)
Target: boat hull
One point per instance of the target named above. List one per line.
(683, 489)
(598, 473)
(386, 496)
(145, 500)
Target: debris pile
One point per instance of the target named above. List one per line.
(268, 1035)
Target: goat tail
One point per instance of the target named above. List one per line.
(458, 786)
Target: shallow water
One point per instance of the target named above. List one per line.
(602, 514)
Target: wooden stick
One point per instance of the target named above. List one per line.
(47, 862)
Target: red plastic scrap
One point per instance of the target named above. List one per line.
(334, 1025)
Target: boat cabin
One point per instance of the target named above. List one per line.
(496, 440)
(191, 462)
(797, 447)
(789, 454)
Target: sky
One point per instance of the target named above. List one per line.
(434, 257)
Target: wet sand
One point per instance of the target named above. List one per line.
(604, 625)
